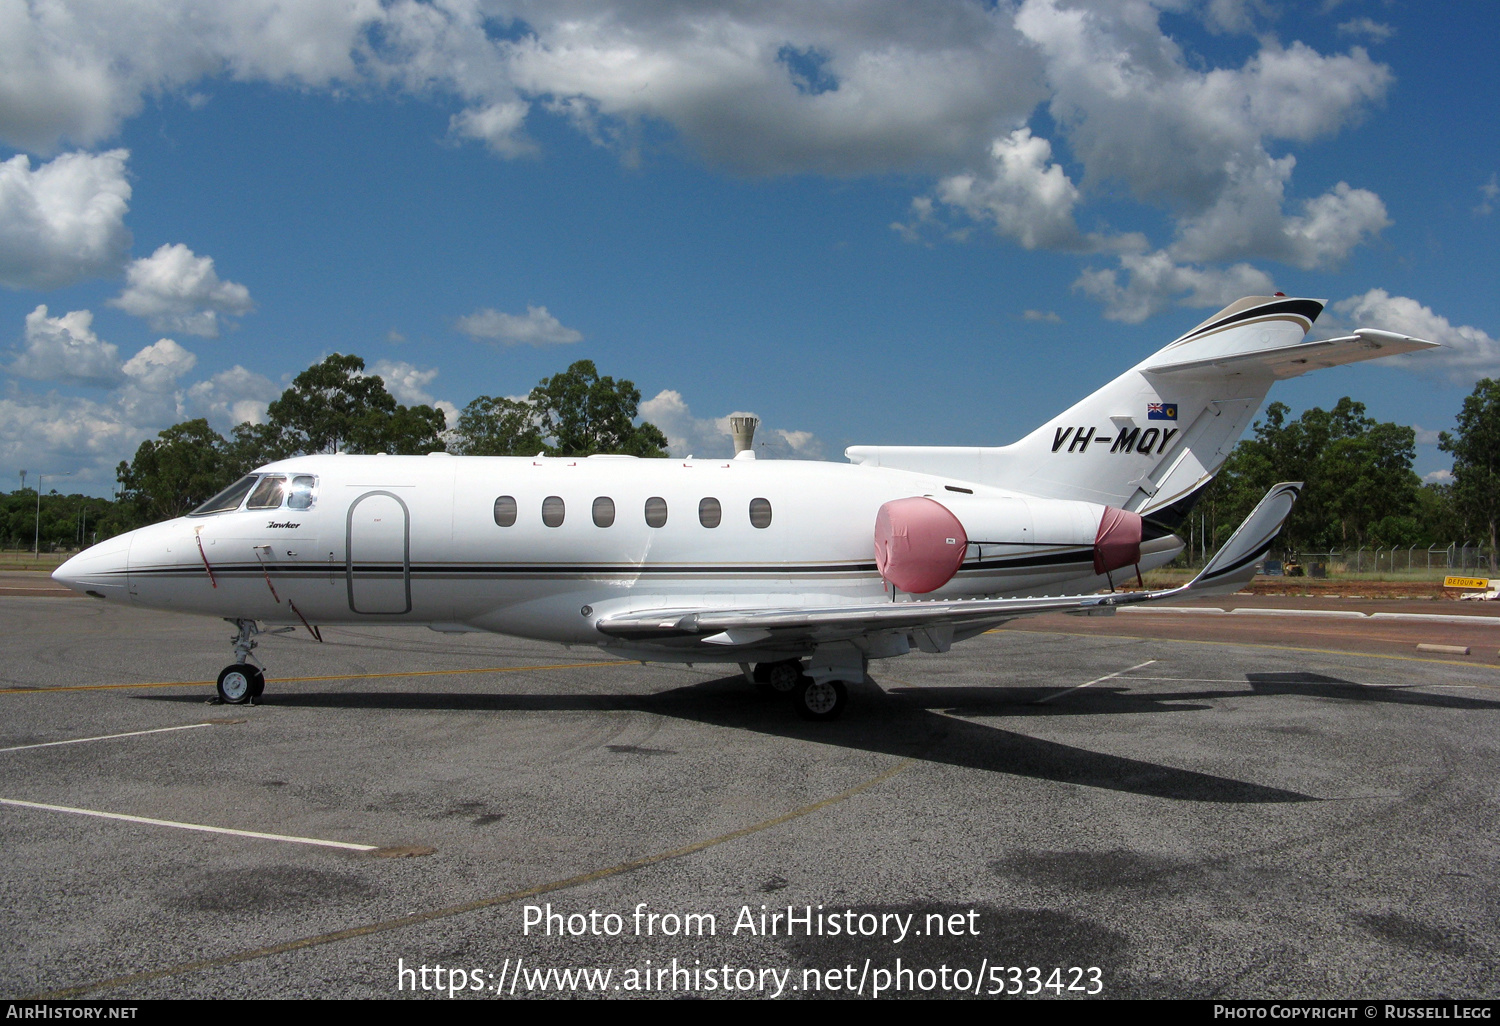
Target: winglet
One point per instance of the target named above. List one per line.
(1233, 566)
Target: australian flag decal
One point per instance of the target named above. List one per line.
(1161, 411)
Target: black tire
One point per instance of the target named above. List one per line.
(237, 684)
(258, 683)
(820, 701)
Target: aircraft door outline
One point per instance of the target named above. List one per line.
(376, 594)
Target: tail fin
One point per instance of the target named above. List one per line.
(1154, 436)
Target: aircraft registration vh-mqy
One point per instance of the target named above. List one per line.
(803, 570)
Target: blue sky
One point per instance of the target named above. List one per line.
(866, 223)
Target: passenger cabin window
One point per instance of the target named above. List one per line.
(227, 500)
(760, 513)
(303, 490)
(710, 513)
(267, 494)
(505, 511)
(553, 511)
(604, 511)
(656, 511)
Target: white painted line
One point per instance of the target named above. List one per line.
(1172, 609)
(1096, 680)
(190, 826)
(105, 737)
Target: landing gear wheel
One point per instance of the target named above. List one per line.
(779, 678)
(240, 683)
(820, 700)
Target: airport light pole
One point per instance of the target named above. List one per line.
(36, 551)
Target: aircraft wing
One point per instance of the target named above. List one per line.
(1230, 569)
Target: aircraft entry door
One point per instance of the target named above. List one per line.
(377, 554)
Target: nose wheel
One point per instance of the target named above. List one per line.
(242, 682)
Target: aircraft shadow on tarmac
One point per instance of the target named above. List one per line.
(928, 723)
(1105, 698)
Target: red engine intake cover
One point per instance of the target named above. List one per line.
(1118, 542)
(919, 544)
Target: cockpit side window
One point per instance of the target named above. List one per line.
(303, 491)
(267, 494)
(227, 500)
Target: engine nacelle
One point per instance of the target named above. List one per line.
(920, 543)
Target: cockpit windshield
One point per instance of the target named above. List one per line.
(229, 499)
(266, 491)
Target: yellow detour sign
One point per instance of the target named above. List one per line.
(1466, 582)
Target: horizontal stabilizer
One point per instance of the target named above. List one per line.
(1288, 361)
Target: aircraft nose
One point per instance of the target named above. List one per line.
(99, 571)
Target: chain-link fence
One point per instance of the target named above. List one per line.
(1466, 555)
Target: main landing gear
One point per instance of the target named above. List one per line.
(813, 699)
(242, 683)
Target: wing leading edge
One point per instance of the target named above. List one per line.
(1231, 568)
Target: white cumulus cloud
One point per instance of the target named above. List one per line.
(231, 397)
(65, 349)
(1153, 282)
(1022, 194)
(177, 290)
(64, 221)
(536, 328)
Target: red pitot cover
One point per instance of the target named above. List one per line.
(1118, 542)
(919, 544)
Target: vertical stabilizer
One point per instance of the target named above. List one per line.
(1152, 436)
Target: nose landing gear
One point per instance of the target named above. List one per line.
(242, 683)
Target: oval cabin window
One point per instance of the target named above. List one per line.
(710, 513)
(604, 511)
(553, 511)
(505, 511)
(656, 511)
(760, 513)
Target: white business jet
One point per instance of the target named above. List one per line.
(800, 572)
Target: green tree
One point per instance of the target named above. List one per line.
(497, 426)
(1360, 488)
(253, 445)
(328, 404)
(585, 414)
(183, 467)
(334, 406)
(1475, 447)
